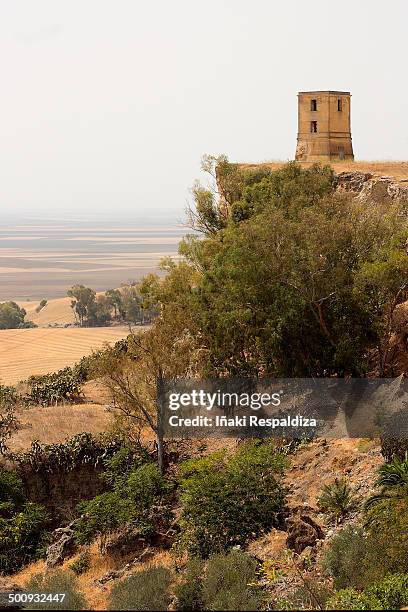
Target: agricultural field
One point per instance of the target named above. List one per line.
(24, 352)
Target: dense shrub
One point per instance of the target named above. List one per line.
(229, 581)
(344, 558)
(13, 317)
(133, 501)
(391, 593)
(81, 449)
(49, 389)
(58, 581)
(22, 524)
(358, 557)
(350, 599)
(189, 591)
(225, 582)
(226, 501)
(145, 590)
(81, 564)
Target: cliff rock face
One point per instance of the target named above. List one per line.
(367, 186)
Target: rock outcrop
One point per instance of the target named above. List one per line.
(303, 532)
(367, 186)
(62, 545)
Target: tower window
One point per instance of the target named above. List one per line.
(313, 127)
(339, 104)
(313, 105)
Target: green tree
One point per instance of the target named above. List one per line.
(114, 298)
(82, 303)
(13, 317)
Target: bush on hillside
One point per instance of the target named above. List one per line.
(50, 389)
(344, 558)
(391, 593)
(227, 501)
(56, 582)
(189, 591)
(81, 564)
(358, 557)
(224, 582)
(229, 583)
(133, 501)
(22, 524)
(145, 590)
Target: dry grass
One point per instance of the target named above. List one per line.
(24, 352)
(96, 595)
(57, 310)
(55, 424)
(395, 169)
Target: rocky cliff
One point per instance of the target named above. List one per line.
(367, 186)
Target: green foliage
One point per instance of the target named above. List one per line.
(81, 564)
(50, 389)
(145, 590)
(13, 317)
(391, 593)
(11, 491)
(79, 450)
(133, 501)
(350, 599)
(344, 558)
(229, 581)
(8, 421)
(226, 501)
(57, 581)
(82, 303)
(393, 480)
(118, 466)
(189, 591)
(225, 582)
(290, 279)
(358, 557)
(22, 524)
(336, 498)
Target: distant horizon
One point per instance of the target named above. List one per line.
(107, 108)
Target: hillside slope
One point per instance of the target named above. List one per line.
(56, 311)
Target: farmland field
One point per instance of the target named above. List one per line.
(24, 352)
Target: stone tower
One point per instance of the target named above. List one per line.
(324, 126)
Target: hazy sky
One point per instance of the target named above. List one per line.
(106, 106)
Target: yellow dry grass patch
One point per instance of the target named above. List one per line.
(24, 352)
(96, 595)
(57, 310)
(55, 424)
